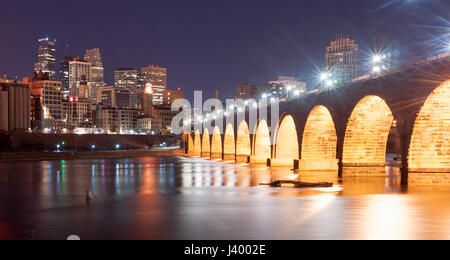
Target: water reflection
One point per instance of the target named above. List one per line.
(189, 198)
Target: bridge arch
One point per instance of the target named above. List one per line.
(367, 133)
(206, 144)
(197, 144)
(430, 141)
(243, 143)
(216, 144)
(286, 148)
(319, 142)
(229, 144)
(262, 150)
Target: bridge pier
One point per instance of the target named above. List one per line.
(242, 158)
(229, 157)
(364, 170)
(280, 162)
(258, 159)
(216, 156)
(319, 165)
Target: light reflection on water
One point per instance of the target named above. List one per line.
(186, 198)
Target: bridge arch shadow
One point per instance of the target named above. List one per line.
(262, 149)
(286, 148)
(366, 137)
(206, 144)
(229, 144)
(216, 144)
(243, 143)
(429, 151)
(319, 142)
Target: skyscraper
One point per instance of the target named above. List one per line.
(64, 73)
(129, 79)
(46, 58)
(158, 78)
(96, 72)
(341, 60)
(94, 58)
(126, 78)
(79, 71)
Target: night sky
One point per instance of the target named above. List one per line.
(212, 44)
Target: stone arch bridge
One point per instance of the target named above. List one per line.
(351, 129)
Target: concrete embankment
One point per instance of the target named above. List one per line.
(50, 156)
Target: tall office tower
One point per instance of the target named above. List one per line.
(158, 78)
(126, 78)
(64, 73)
(130, 80)
(79, 71)
(341, 60)
(96, 74)
(94, 58)
(46, 58)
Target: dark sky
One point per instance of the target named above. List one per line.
(218, 44)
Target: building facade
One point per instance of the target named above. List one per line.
(94, 57)
(158, 78)
(115, 120)
(50, 96)
(341, 61)
(46, 58)
(77, 112)
(169, 96)
(79, 70)
(64, 73)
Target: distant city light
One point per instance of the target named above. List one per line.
(329, 83)
(324, 76)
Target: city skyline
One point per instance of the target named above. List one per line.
(289, 41)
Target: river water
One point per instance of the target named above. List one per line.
(190, 198)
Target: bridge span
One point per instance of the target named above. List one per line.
(350, 130)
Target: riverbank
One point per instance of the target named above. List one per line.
(51, 156)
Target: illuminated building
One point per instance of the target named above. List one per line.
(96, 81)
(126, 78)
(114, 97)
(49, 93)
(64, 73)
(14, 106)
(341, 60)
(106, 96)
(165, 115)
(158, 78)
(77, 111)
(46, 58)
(118, 120)
(96, 69)
(169, 96)
(130, 79)
(78, 71)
